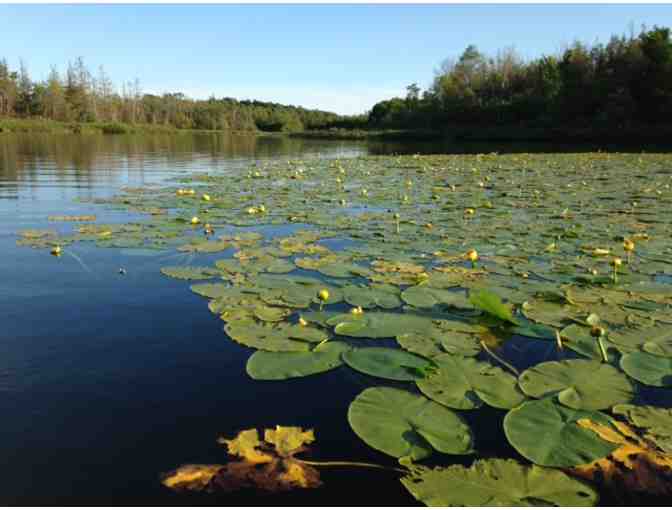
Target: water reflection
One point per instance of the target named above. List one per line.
(87, 158)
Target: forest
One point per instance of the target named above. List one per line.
(623, 83)
(80, 96)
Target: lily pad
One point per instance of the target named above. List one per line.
(656, 422)
(190, 272)
(387, 363)
(407, 425)
(578, 384)
(275, 366)
(465, 383)
(423, 296)
(379, 324)
(648, 369)
(497, 482)
(546, 433)
(656, 340)
(281, 337)
(436, 343)
(383, 296)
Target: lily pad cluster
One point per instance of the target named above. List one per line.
(424, 274)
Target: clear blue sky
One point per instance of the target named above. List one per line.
(341, 58)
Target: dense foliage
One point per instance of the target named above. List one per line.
(626, 82)
(79, 96)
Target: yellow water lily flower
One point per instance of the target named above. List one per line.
(206, 197)
(56, 250)
(471, 255)
(323, 295)
(195, 220)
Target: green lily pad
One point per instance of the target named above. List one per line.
(648, 369)
(343, 270)
(423, 296)
(387, 363)
(435, 343)
(497, 482)
(656, 340)
(546, 433)
(212, 290)
(578, 384)
(383, 296)
(379, 324)
(275, 366)
(578, 338)
(465, 383)
(281, 337)
(407, 425)
(190, 272)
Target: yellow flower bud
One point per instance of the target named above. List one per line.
(195, 220)
(323, 294)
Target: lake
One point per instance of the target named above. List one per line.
(109, 379)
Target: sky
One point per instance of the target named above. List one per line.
(341, 58)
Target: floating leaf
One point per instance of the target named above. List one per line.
(191, 477)
(635, 465)
(288, 440)
(274, 337)
(383, 296)
(497, 482)
(547, 434)
(656, 340)
(465, 383)
(380, 324)
(387, 363)
(433, 344)
(287, 365)
(648, 369)
(407, 425)
(423, 296)
(579, 384)
(190, 272)
(656, 422)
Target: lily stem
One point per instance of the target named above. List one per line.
(503, 362)
(351, 464)
(603, 351)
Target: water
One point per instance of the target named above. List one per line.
(108, 380)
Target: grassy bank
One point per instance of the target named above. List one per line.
(55, 127)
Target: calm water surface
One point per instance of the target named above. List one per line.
(108, 380)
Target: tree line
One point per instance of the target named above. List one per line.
(626, 82)
(81, 96)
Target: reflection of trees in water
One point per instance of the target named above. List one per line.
(106, 159)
